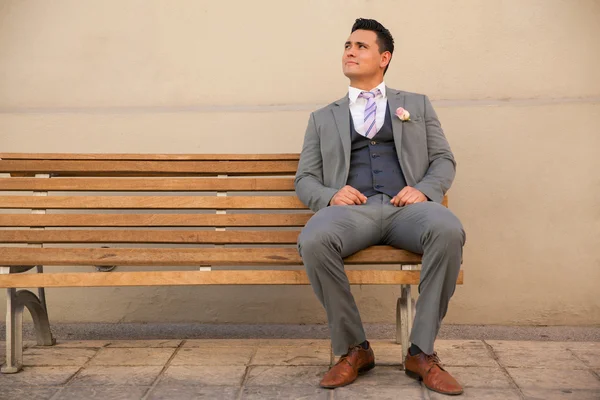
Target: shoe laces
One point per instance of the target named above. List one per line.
(433, 360)
(345, 356)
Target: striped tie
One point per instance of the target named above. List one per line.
(370, 127)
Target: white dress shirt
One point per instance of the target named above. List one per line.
(357, 108)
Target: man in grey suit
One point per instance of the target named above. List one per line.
(374, 167)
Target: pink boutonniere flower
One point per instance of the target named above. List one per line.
(402, 114)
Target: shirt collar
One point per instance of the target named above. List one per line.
(353, 92)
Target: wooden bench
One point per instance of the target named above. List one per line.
(238, 210)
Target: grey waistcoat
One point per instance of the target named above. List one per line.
(374, 166)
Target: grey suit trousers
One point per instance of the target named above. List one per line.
(336, 232)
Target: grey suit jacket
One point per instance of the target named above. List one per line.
(423, 151)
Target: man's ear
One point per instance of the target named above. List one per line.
(386, 57)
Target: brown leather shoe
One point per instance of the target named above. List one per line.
(348, 367)
(427, 368)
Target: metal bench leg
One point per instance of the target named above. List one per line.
(39, 316)
(16, 303)
(404, 318)
(14, 334)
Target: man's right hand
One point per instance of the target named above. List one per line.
(347, 196)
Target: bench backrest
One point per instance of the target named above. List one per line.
(231, 201)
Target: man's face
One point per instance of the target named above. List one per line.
(361, 56)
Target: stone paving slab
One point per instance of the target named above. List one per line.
(582, 345)
(528, 378)
(479, 394)
(104, 375)
(213, 356)
(200, 375)
(295, 342)
(145, 343)
(38, 376)
(565, 394)
(53, 356)
(28, 393)
(254, 342)
(292, 355)
(379, 393)
(285, 376)
(285, 392)
(162, 392)
(81, 344)
(102, 392)
(132, 357)
(508, 344)
(204, 343)
(536, 355)
(590, 357)
(465, 353)
(386, 376)
(481, 377)
(387, 352)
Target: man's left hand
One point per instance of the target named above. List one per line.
(408, 195)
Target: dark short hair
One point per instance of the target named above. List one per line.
(385, 41)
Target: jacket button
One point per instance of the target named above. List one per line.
(373, 142)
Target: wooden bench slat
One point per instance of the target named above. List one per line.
(139, 156)
(148, 184)
(151, 202)
(116, 167)
(162, 278)
(181, 257)
(153, 220)
(149, 236)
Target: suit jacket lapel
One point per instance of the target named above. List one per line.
(341, 114)
(395, 100)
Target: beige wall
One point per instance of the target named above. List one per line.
(516, 85)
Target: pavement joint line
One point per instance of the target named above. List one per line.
(589, 367)
(65, 385)
(162, 371)
(578, 358)
(72, 378)
(247, 372)
(492, 353)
